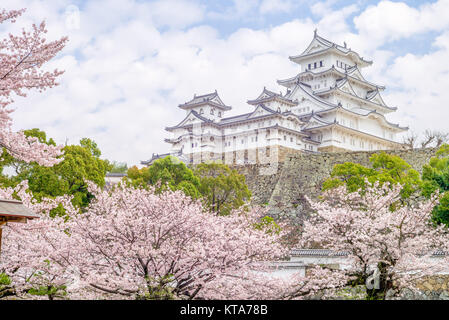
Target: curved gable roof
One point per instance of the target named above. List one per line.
(212, 99)
(320, 42)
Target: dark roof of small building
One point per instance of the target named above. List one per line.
(331, 253)
(16, 209)
(317, 252)
(116, 174)
(156, 156)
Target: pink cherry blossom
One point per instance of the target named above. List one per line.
(132, 243)
(22, 58)
(400, 241)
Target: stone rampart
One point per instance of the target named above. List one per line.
(283, 186)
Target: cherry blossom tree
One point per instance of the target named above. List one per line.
(33, 253)
(22, 58)
(138, 244)
(397, 243)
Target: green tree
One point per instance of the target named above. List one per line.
(385, 168)
(118, 167)
(223, 189)
(80, 163)
(435, 177)
(166, 173)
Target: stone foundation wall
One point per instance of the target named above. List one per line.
(284, 185)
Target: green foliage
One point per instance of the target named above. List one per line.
(158, 289)
(50, 291)
(139, 178)
(91, 146)
(222, 189)
(118, 167)
(269, 225)
(435, 177)
(440, 212)
(167, 173)
(385, 168)
(80, 163)
(351, 174)
(5, 286)
(4, 280)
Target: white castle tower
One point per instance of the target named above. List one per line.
(328, 107)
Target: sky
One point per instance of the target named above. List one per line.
(129, 63)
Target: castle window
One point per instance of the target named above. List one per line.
(212, 111)
(321, 63)
(201, 111)
(219, 114)
(267, 151)
(314, 65)
(291, 139)
(310, 66)
(285, 138)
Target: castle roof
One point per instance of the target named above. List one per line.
(319, 46)
(338, 125)
(343, 86)
(366, 113)
(268, 95)
(352, 74)
(212, 99)
(307, 89)
(251, 116)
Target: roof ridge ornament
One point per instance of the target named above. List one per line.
(315, 32)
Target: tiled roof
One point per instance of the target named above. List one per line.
(159, 156)
(205, 99)
(115, 175)
(340, 83)
(331, 253)
(317, 252)
(268, 95)
(348, 73)
(15, 209)
(330, 45)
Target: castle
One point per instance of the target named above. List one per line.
(327, 107)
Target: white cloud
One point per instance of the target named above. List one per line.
(388, 21)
